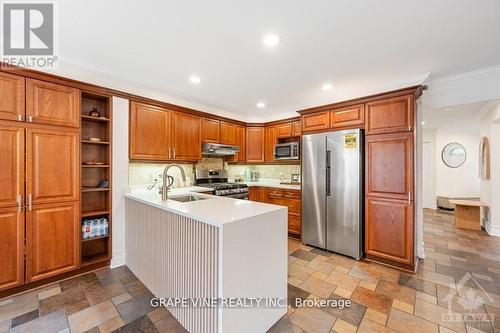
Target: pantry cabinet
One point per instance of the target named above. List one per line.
(52, 104)
(11, 164)
(52, 240)
(11, 247)
(12, 97)
(390, 115)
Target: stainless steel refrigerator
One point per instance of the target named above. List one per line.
(332, 191)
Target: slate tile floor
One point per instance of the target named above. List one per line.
(458, 281)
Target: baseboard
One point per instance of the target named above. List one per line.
(118, 259)
(492, 230)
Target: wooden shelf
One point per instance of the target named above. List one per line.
(95, 213)
(94, 189)
(94, 238)
(95, 142)
(99, 120)
(95, 165)
(93, 259)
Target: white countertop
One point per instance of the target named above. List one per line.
(272, 183)
(215, 210)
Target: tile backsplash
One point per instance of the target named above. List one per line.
(141, 175)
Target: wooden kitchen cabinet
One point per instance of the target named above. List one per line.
(52, 240)
(253, 193)
(255, 144)
(210, 130)
(390, 231)
(11, 164)
(296, 128)
(186, 137)
(263, 194)
(390, 115)
(270, 141)
(227, 133)
(389, 166)
(52, 165)
(11, 248)
(351, 116)
(240, 142)
(284, 130)
(12, 97)
(315, 121)
(149, 133)
(52, 104)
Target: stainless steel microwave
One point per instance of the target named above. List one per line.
(286, 151)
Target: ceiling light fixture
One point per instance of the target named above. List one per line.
(271, 40)
(194, 79)
(261, 105)
(422, 123)
(327, 86)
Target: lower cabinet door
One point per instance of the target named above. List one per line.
(11, 248)
(390, 231)
(253, 193)
(52, 240)
(294, 224)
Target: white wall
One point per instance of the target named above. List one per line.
(429, 169)
(490, 188)
(464, 180)
(120, 178)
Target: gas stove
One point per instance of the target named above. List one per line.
(218, 181)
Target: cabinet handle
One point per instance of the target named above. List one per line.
(30, 119)
(30, 206)
(18, 202)
(169, 152)
(20, 117)
(174, 152)
(409, 198)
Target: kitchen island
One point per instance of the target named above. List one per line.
(212, 249)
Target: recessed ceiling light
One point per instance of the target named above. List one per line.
(327, 86)
(271, 40)
(447, 109)
(194, 79)
(261, 105)
(422, 123)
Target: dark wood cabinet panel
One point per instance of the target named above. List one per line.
(296, 128)
(255, 144)
(12, 98)
(241, 142)
(210, 130)
(253, 193)
(227, 133)
(11, 164)
(294, 225)
(389, 166)
(263, 194)
(315, 121)
(284, 130)
(11, 248)
(186, 137)
(149, 133)
(52, 165)
(390, 115)
(52, 239)
(53, 104)
(351, 116)
(390, 231)
(270, 141)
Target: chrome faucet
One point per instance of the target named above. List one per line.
(166, 186)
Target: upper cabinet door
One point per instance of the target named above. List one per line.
(210, 130)
(315, 121)
(52, 165)
(255, 144)
(149, 133)
(12, 165)
(53, 104)
(284, 130)
(11, 97)
(186, 137)
(348, 116)
(241, 142)
(52, 238)
(227, 133)
(270, 141)
(390, 115)
(389, 166)
(296, 128)
(11, 247)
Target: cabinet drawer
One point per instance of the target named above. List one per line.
(291, 194)
(294, 224)
(275, 192)
(292, 204)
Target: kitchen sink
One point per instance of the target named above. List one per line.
(187, 198)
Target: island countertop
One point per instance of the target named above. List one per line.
(214, 210)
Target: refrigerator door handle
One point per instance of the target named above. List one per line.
(328, 166)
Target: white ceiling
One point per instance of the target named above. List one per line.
(361, 47)
(464, 117)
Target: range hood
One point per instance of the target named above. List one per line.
(218, 149)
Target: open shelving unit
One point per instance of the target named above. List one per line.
(96, 201)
